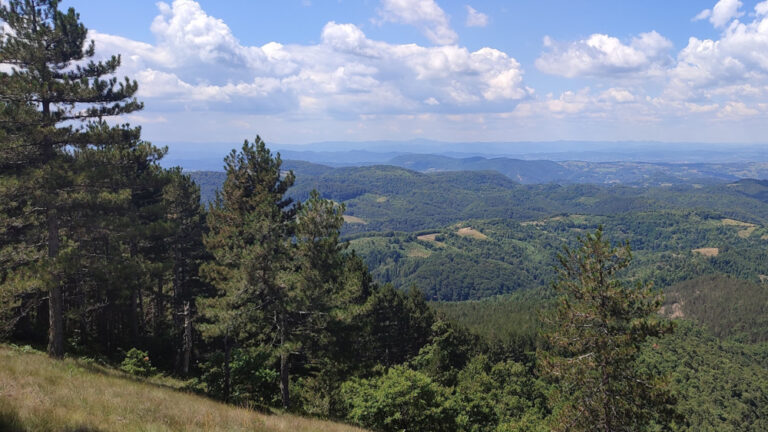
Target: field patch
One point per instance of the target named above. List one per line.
(708, 252)
(471, 232)
(432, 238)
(354, 220)
(734, 222)
(746, 232)
(381, 199)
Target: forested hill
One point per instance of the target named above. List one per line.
(472, 234)
(385, 198)
(547, 171)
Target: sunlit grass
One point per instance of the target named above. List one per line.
(39, 394)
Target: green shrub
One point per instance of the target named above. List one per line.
(253, 379)
(400, 400)
(137, 363)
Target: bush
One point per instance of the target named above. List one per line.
(253, 380)
(137, 363)
(403, 399)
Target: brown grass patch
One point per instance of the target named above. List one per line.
(471, 232)
(708, 252)
(746, 232)
(432, 238)
(39, 394)
(354, 220)
(734, 222)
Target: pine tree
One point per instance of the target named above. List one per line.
(183, 211)
(52, 106)
(251, 226)
(594, 340)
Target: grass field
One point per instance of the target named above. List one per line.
(39, 394)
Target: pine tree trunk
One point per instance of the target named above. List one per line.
(133, 316)
(55, 296)
(227, 382)
(284, 369)
(187, 343)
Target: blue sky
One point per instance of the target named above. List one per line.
(298, 71)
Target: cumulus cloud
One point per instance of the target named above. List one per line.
(475, 18)
(735, 65)
(706, 13)
(604, 55)
(722, 13)
(423, 14)
(196, 62)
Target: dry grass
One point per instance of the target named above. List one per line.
(708, 252)
(471, 232)
(746, 232)
(381, 199)
(734, 222)
(354, 220)
(748, 227)
(432, 238)
(428, 237)
(39, 394)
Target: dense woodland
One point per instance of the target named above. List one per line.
(257, 298)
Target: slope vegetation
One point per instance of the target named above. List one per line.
(39, 394)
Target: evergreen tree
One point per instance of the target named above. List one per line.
(594, 340)
(52, 104)
(183, 211)
(251, 226)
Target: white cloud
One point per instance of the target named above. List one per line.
(423, 14)
(198, 64)
(618, 95)
(737, 110)
(734, 66)
(603, 55)
(724, 11)
(475, 18)
(706, 13)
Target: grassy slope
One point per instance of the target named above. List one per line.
(39, 394)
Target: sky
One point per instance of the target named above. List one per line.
(301, 71)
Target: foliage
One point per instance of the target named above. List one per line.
(253, 376)
(506, 393)
(721, 385)
(137, 363)
(74, 395)
(401, 399)
(594, 340)
(728, 307)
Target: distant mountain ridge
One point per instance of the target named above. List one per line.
(208, 156)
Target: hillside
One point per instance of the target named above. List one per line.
(40, 394)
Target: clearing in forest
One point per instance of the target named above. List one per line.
(748, 227)
(354, 220)
(471, 232)
(708, 252)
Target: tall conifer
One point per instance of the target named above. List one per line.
(251, 225)
(52, 105)
(594, 340)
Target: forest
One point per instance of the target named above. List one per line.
(379, 297)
